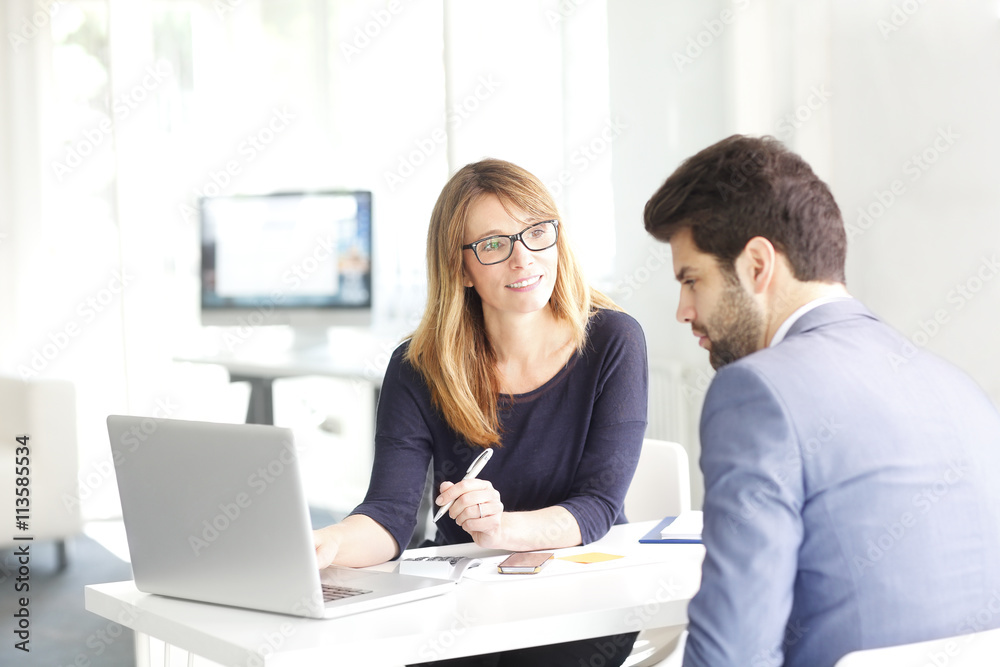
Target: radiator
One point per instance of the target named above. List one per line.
(667, 411)
(676, 394)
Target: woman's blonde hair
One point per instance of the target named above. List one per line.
(449, 347)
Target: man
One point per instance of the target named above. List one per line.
(852, 483)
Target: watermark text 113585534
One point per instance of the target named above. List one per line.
(22, 517)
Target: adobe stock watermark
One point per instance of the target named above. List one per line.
(229, 513)
(89, 481)
(122, 107)
(739, 175)
(914, 167)
(255, 143)
(322, 252)
(29, 26)
(982, 619)
(86, 312)
(802, 114)
(425, 147)
(946, 652)
(274, 639)
(224, 7)
(923, 502)
(101, 640)
(375, 364)
(587, 153)
(714, 28)
(564, 10)
(695, 388)
(436, 645)
(752, 501)
(363, 35)
(657, 258)
(958, 297)
(667, 591)
(793, 634)
(899, 16)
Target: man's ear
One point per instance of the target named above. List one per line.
(758, 263)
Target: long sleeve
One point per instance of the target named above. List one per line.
(614, 438)
(574, 441)
(403, 449)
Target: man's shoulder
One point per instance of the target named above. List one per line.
(831, 352)
(837, 334)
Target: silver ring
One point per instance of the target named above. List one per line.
(480, 510)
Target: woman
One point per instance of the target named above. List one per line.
(516, 353)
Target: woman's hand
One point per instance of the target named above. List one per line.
(327, 541)
(477, 509)
(357, 541)
(547, 528)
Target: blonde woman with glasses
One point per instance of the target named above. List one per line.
(516, 353)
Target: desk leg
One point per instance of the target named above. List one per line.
(142, 650)
(261, 409)
(152, 652)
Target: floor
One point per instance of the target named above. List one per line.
(60, 630)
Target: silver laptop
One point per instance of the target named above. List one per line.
(217, 513)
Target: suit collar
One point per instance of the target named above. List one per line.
(829, 313)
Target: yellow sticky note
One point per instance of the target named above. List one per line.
(592, 557)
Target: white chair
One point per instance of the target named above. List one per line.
(45, 411)
(979, 649)
(661, 487)
(662, 482)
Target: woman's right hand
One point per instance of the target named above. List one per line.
(327, 542)
(357, 541)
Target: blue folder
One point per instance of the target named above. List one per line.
(653, 536)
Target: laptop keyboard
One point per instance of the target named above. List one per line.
(331, 593)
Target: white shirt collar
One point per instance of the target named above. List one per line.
(782, 331)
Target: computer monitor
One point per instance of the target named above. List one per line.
(302, 259)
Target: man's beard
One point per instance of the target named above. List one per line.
(736, 329)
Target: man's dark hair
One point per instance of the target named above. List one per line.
(744, 187)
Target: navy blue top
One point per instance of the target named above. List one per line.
(573, 442)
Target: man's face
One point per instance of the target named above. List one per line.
(721, 312)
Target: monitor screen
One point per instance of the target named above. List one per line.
(285, 255)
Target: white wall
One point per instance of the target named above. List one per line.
(857, 88)
(919, 106)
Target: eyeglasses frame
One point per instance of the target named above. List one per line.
(514, 238)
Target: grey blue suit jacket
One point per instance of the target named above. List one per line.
(852, 498)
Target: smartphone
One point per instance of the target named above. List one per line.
(524, 563)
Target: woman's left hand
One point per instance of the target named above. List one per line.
(477, 509)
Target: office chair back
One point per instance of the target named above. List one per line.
(662, 482)
(661, 487)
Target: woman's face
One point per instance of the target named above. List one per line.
(523, 283)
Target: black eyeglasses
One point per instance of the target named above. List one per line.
(496, 249)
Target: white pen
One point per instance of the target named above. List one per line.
(471, 473)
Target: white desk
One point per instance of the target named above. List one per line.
(650, 588)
